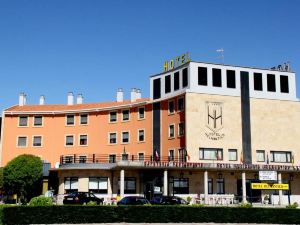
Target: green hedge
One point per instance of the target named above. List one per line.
(154, 214)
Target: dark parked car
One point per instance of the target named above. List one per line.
(82, 198)
(133, 200)
(168, 200)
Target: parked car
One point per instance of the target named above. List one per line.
(168, 200)
(82, 198)
(133, 200)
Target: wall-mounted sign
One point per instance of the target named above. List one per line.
(265, 186)
(214, 121)
(178, 61)
(268, 175)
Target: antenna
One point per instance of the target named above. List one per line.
(221, 51)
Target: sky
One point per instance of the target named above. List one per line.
(94, 47)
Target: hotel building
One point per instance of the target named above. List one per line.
(207, 131)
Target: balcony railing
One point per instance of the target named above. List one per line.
(105, 158)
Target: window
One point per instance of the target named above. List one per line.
(220, 186)
(125, 137)
(112, 158)
(69, 140)
(284, 84)
(171, 131)
(22, 141)
(125, 114)
(202, 76)
(141, 135)
(176, 81)
(211, 153)
(129, 185)
(182, 155)
(82, 159)
(271, 83)
(70, 120)
(37, 141)
(171, 107)
(180, 129)
(71, 184)
(181, 186)
(217, 77)
(83, 140)
(37, 121)
(156, 88)
(210, 185)
(232, 154)
(124, 157)
(98, 185)
(280, 156)
(141, 113)
(185, 77)
(167, 84)
(84, 119)
(68, 159)
(113, 117)
(260, 155)
(230, 78)
(23, 121)
(112, 138)
(141, 157)
(258, 85)
(180, 104)
(171, 155)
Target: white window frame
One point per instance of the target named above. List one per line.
(128, 115)
(125, 131)
(27, 125)
(143, 107)
(87, 140)
(66, 120)
(109, 117)
(33, 120)
(169, 131)
(87, 119)
(33, 136)
(66, 140)
(138, 136)
(109, 133)
(19, 136)
(260, 150)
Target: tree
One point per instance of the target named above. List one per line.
(23, 176)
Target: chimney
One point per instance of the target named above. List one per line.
(79, 99)
(70, 98)
(120, 95)
(133, 95)
(138, 94)
(42, 100)
(22, 99)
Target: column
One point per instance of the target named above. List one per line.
(244, 187)
(206, 187)
(166, 182)
(122, 175)
(280, 191)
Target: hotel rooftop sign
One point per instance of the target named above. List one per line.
(177, 61)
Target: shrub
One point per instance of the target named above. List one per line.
(91, 203)
(41, 201)
(189, 199)
(292, 206)
(245, 205)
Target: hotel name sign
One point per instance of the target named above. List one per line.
(177, 61)
(266, 186)
(220, 166)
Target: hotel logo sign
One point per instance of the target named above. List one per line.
(214, 121)
(178, 61)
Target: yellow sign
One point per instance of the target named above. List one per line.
(178, 61)
(265, 186)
